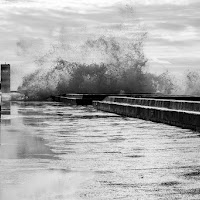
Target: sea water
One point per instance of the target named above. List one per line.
(50, 151)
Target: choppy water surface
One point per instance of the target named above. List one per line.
(50, 151)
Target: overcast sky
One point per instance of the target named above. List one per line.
(173, 27)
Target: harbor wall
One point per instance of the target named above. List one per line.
(163, 103)
(176, 113)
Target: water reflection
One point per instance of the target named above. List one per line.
(5, 108)
(5, 112)
(5, 115)
(17, 142)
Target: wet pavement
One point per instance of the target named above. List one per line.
(50, 151)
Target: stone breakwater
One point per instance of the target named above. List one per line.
(185, 114)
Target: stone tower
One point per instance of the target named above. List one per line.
(5, 89)
(5, 78)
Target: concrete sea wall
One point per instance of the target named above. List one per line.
(185, 114)
(163, 103)
(79, 99)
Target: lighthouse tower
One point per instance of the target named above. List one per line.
(5, 78)
(5, 89)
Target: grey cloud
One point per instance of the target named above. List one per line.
(166, 42)
(186, 61)
(172, 15)
(174, 26)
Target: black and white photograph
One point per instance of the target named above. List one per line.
(100, 100)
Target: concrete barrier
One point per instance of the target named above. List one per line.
(78, 99)
(163, 103)
(75, 101)
(177, 113)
